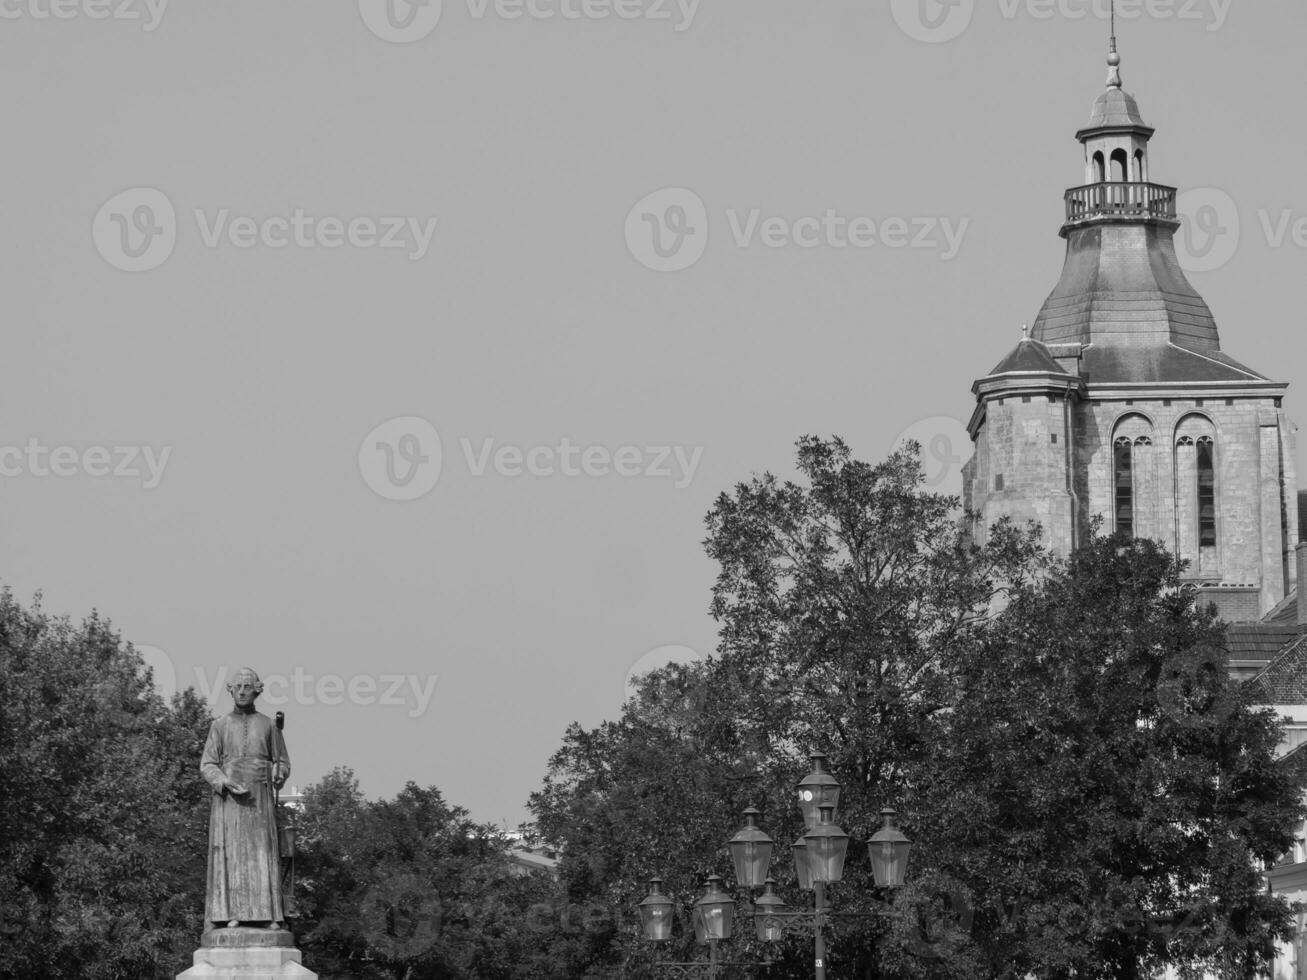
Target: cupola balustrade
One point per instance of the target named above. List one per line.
(1120, 199)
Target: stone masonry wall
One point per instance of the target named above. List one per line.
(1023, 442)
(1019, 467)
(1250, 483)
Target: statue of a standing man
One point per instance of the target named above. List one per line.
(244, 761)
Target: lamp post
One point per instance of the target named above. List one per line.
(819, 857)
(714, 921)
(827, 846)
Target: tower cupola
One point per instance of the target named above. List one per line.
(1117, 184)
(1123, 292)
(1116, 139)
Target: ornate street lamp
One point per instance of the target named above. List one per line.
(656, 913)
(816, 790)
(768, 914)
(751, 849)
(819, 856)
(827, 848)
(888, 850)
(801, 869)
(714, 914)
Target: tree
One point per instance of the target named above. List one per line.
(842, 605)
(102, 859)
(411, 888)
(1107, 792)
(1057, 737)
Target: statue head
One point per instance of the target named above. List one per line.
(244, 687)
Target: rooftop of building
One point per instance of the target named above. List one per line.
(1029, 356)
(1271, 653)
(1116, 108)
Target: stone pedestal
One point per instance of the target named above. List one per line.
(247, 954)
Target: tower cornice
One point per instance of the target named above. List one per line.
(1115, 129)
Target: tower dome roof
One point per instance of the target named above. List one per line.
(1115, 107)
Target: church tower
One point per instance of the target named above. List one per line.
(1120, 403)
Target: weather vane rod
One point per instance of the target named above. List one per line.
(1113, 59)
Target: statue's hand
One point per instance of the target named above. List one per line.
(279, 780)
(236, 789)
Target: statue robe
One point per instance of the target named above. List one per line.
(244, 867)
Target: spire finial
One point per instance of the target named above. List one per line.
(1113, 59)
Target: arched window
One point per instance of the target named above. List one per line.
(1100, 168)
(1139, 173)
(1206, 492)
(1123, 486)
(1197, 537)
(1134, 477)
(1119, 165)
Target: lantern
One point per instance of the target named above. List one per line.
(816, 790)
(768, 914)
(802, 873)
(888, 850)
(751, 849)
(827, 847)
(714, 913)
(656, 913)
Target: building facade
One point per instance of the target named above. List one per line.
(1121, 403)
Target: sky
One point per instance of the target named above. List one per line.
(399, 351)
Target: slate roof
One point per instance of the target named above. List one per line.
(1169, 364)
(1259, 641)
(1285, 612)
(1115, 108)
(1123, 284)
(1028, 357)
